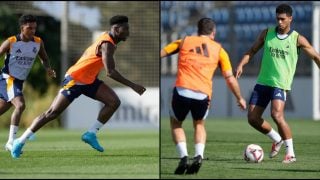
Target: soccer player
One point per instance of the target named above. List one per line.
(199, 56)
(21, 51)
(281, 49)
(81, 78)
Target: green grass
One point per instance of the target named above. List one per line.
(61, 154)
(226, 140)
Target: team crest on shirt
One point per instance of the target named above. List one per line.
(34, 50)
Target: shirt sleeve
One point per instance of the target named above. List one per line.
(173, 47)
(224, 61)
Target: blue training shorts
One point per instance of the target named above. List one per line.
(262, 95)
(10, 87)
(71, 90)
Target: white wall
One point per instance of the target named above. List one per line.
(135, 111)
(223, 104)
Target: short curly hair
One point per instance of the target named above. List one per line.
(284, 8)
(27, 18)
(118, 19)
(206, 26)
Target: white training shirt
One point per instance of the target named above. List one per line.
(21, 56)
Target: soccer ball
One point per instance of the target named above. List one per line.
(253, 153)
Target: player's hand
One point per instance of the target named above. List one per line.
(51, 72)
(242, 104)
(138, 89)
(238, 71)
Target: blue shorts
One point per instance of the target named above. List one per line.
(71, 90)
(180, 107)
(262, 95)
(10, 87)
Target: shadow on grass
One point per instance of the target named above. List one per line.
(128, 155)
(249, 141)
(190, 158)
(56, 173)
(289, 170)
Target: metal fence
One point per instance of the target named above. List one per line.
(137, 58)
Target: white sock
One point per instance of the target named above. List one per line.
(95, 127)
(274, 136)
(23, 138)
(182, 149)
(12, 133)
(289, 147)
(199, 149)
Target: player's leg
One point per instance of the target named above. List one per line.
(110, 100)
(4, 107)
(4, 104)
(65, 96)
(19, 106)
(178, 136)
(258, 102)
(255, 119)
(199, 112)
(200, 137)
(179, 139)
(59, 104)
(103, 93)
(178, 111)
(277, 113)
(11, 91)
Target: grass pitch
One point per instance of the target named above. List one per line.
(226, 141)
(56, 154)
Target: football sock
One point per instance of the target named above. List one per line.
(95, 127)
(289, 147)
(26, 135)
(274, 136)
(12, 133)
(199, 149)
(182, 149)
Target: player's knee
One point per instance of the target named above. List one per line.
(115, 103)
(253, 119)
(276, 115)
(198, 123)
(20, 107)
(175, 124)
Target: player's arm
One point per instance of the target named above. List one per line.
(107, 51)
(5, 46)
(45, 60)
(170, 49)
(311, 52)
(257, 45)
(231, 81)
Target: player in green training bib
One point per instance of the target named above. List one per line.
(281, 50)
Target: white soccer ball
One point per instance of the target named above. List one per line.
(253, 153)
